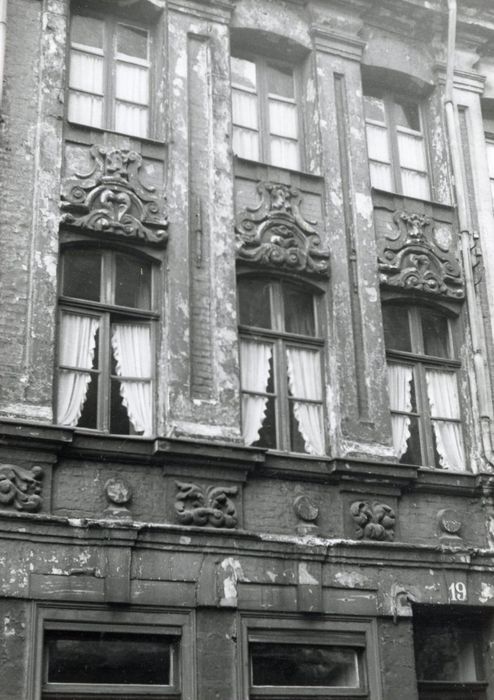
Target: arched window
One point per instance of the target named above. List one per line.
(423, 387)
(106, 349)
(281, 366)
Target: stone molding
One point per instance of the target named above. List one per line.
(375, 521)
(21, 488)
(337, 43)
(206, 505)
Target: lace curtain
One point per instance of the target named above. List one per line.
(77, 344)
(131, 345)
(304, 376)
(254, 371)
(442, 391)
(400, 379)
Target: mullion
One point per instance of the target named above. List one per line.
(425, 421)
(105, 365)
(110, 72)
(390, 116)
(263, 110)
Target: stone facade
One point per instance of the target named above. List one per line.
(189, 532)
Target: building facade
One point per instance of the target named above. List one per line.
(246, 349)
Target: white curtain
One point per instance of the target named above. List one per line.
(77, 344)
(131, 345)
(400, 379)
(304, 376)
(254, 371)
(442, 391)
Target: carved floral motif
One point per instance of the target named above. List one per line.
(21, 487)
(375, 521)
(417, 255)
(211, 505)
(274, 233)
(112, 199)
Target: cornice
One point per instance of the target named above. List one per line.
(337, 43)
(463, 80)
(212, 10)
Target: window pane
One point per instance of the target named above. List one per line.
(267, 433)
(412, 455)
(435, 329)
(280, 81)
(89, 415)
(86, 72)
(299, 310)
(381, 176)
(415, 184)
(119, 419)
(490, 157)
(446, 652)
(297, 442)
(85, 109)
(243, 73)
(411, 150)
(82, 275)
(130, 119)
(132, 83)
(284, 153)
(377, 143)
(304, 665)
(132, 283)
(407, 115)
(254, 303)
(396, 328)
(442, 389)
(87, 30)
(283, 119)
(374, 109)
(246, 143)
(108, 657)
(244, 109)
(132, 41)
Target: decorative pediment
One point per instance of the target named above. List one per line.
(111, 198)
(274, 233)
(416, 253)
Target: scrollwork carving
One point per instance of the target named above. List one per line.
(211, 505)
(111, 198)
(416, 254)
(375, 521)
(274, 233)
(21, 488)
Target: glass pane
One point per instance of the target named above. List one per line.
(396, 328)
(442, 390)
(381, 176)
(132, 283)
(377, 143)
(254, 301)
(87, 30)
(108, 657)
(119, 420)
(407, 114)
(304, 665)
(130, 119)
(297, 442)
(89, 415)
(415, 184)
(284, 153)
(411, 151)
(85, 109)
(246, 143)
(86, 72)
(132, 41)
(447, 652)
(299, 310)
(490, 157)
(435, 330)
(280, 81)
(82, 275)
(267, 433)
(413, 454)
(244, 109)
(243, 73)
(374, 108)
(283, 119)
(132, 83)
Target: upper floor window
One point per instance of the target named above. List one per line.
(489, 143)
(265, 113)
(109, 77)
(423, 387)
(105, 354)
(280, 363)
(396, 145)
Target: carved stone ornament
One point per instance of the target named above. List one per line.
(275, 234)
(211, 505)
(419, 256)
(21, 488)
(111, 199)
(374, 521)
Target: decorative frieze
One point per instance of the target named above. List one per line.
(206, 505)
(274, 233)
(111, 198)
(21, 488)
(416, 252)
(375, 521)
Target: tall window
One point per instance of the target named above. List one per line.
(105, 355)
(395, 144)
(109, 74)
(280, 362)
(423, 387)
(265, 113)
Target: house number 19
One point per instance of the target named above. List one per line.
(457, 591)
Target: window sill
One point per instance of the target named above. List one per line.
(243, 167)
(84, 133)
(389, 200)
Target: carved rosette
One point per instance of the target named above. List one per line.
(111, 199)
(201, 506)
(275, 234)
(375, 521)
(21, 488)
(415, 254)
